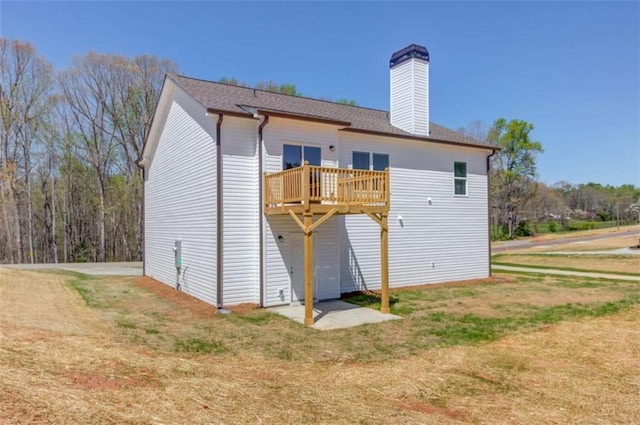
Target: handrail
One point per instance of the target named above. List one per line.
(327, 185)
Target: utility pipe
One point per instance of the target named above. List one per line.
(261, 219)
(219, 216)
(493, 152)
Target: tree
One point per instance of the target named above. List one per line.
(109, 105)
(349, 102)
(25, 103)
(87, 92)
(135, 84)
(285, 88)
(476, 129)
(514, 170)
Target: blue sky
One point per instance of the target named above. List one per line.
(572, 69)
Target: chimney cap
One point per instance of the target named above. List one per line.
(410, 52)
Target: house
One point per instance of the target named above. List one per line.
(257, 197)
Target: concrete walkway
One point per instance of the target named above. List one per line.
(133, 268)
(596, 275)
(334, 315)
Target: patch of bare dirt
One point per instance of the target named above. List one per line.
(181, 299)
(243, 308)
(90, 381)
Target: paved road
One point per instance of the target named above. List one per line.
(596, 275)
(524, 244)
(103, 269)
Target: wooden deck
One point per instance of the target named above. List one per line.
(311, 190)
(320, 190)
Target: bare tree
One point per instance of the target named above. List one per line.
(476, 129)
(110, 101)
(86, 91)
(136, 84)
(25, 103)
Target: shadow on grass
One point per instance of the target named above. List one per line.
(367, 299)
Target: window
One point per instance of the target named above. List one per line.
(367, 161)
(380, 161)
(360, 160)
(294, 156)
(460, 178)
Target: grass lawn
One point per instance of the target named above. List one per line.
(433, 316)
(512, 349)
(630, 229)
(623, 264)
(627, 236)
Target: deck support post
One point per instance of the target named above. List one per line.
(308, 270)
(384, 263)
(359, 192)
(383, 221)
(307, 226)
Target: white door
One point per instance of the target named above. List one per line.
(296, 268)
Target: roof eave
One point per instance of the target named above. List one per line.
(419, 138)
(321, 120)
(279, 114)
(215, 111)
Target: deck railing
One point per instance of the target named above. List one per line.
(311, 184)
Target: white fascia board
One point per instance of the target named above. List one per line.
(157, 124)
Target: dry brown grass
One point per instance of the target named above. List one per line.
(633, 229)
(585, 371)
(42, 301)
(604, 263)
(623, 241)
(615, 242)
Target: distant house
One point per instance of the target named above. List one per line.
(258, 197)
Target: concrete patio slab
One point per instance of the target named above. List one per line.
(334, 315)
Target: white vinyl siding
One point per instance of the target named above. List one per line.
(180, 200)
(240, 211)
(438, 241)
(327, 262)
(434, 235)
(277, 256)
(410, 96)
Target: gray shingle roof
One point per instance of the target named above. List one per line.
(236, 99)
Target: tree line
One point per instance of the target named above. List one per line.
(522, 206)
(70, 189)
(285, 88)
